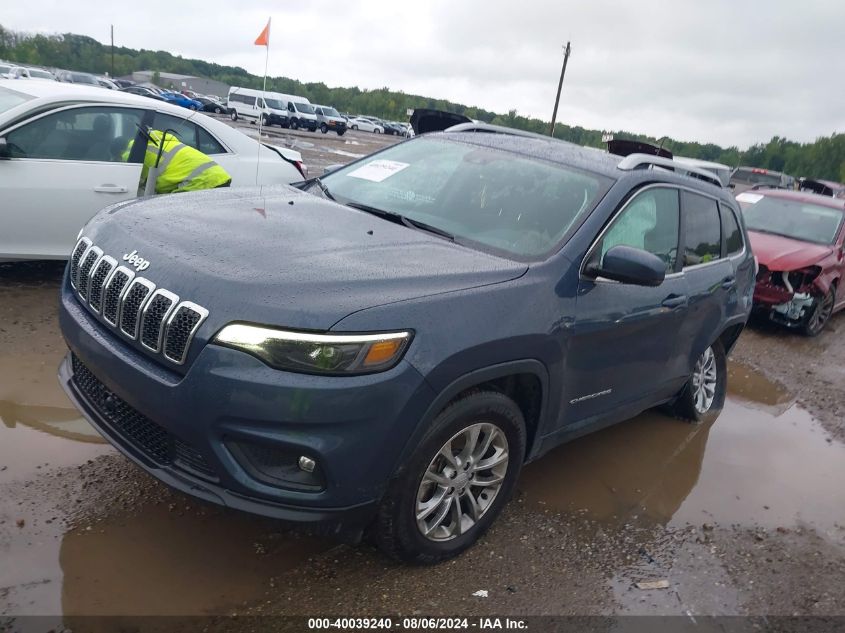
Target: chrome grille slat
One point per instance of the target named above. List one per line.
(78, 251)
(116, 285)
(182, 325)
(87, 264)
(155, 317)
(134, 299)
(99, 276)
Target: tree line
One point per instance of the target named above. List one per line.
(824, 158)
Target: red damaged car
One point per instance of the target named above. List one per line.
(797, 238)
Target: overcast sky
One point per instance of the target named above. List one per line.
(733, 72)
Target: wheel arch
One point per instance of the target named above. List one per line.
(525, 381)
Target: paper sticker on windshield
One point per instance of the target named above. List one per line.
(378, 170)
(750, 198)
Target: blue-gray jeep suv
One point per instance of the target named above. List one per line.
(383, 349)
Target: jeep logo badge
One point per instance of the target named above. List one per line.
(136, 260)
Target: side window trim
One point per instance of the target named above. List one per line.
(621, 209)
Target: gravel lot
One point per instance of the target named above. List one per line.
(741, 515)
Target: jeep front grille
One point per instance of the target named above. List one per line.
(133, 305)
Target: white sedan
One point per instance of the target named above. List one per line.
(357, 123)
(62, 150)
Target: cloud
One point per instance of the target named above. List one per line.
(729, 72)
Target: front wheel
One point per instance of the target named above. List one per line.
(324, 128)
(233, 115)
(456, 482)
(377, 131)
(705, 390)
(294, 125)
(218, 110)
(341, 132)
(265, 120)
(354, 127)
(820, 315)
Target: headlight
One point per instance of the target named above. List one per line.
(317, 353)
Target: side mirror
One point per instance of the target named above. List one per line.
(630, 265)
(5, 150)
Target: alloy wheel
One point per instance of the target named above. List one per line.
(462, 481)
(704, 378)
(821, 314)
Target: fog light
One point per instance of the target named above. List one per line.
(307, 464)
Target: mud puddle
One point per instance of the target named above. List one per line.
(763, 462)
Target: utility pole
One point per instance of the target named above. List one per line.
(566, 52)
(112, 50)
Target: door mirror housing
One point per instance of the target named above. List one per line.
(629, 265)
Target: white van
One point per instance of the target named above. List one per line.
(251, 104)
(301, 113)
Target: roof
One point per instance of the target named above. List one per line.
(58, 91)
(801, 196)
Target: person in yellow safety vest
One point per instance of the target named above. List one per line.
(181, 168)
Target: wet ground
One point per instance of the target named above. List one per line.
(744, 514)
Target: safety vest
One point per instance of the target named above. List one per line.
(182, 168)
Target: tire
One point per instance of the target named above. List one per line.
(192, 107)
(696, 402)
(354, 127)
(816, 320)
(341, 132)
(294, 125)
(324, 128)
(498, 422)
(218, 110)
(265, 120)
(233, 115)
(376, 130)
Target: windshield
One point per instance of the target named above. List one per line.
(330, 112)
(40, 73)
(791, 218)
(752, 177)
(83, 79)
(274, 104)
(10, 98)
(5, 69)
(305, 108)
(516, 205)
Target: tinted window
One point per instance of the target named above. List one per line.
(733, 236)
(208, 144)
(96, 134)
(702, 232)
(649, 222)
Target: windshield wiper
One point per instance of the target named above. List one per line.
(399, 218)
(324, 189)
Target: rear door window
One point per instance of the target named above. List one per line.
(189, 133)
(702, 229)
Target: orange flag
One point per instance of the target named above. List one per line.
(264, 38)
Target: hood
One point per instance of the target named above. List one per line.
(783, 253)
(280, 256)
(424, 120)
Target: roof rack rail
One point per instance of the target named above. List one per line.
(641, 161)
(489, 128)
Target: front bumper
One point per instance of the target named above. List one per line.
(353, 427)
(781, 305)
(277, 119)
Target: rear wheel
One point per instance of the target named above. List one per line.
(354, 127)
(377, 131)
(456, 482)
(705, 391)
(820, 315)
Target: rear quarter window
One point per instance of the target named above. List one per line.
(731, 231)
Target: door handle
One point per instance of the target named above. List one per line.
(110, 189)
(674, 301)
(729, 282)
